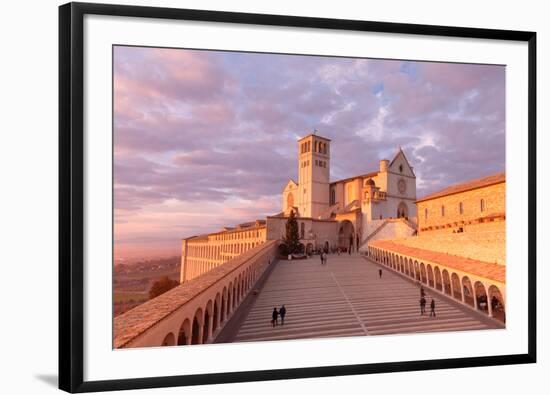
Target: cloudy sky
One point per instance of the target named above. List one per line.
(205, 139)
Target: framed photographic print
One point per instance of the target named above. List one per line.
(250, 197)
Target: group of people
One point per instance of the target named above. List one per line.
(275, 316)
(423, 303)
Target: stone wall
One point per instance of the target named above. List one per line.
(196, 311)
(431, 216)
(483, 242)
(316, 232)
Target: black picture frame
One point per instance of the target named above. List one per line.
(71, 197)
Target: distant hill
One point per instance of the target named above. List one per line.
(131, 282)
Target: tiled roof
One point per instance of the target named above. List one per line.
(366, 175)
(492, 271)
(467, 186)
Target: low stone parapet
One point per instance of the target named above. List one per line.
(193, 312)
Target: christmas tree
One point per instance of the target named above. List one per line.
(292, 238)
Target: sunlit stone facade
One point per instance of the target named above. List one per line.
(331, 214)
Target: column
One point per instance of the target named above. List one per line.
(210, 326)
(489, 303)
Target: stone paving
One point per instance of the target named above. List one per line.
(346, 298)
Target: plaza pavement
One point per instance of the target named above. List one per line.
(346, 298)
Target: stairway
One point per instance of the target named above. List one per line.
(346, 298)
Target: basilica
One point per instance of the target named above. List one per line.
(332, 214)
(345, 213)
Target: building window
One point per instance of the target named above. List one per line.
(332, 196)
(401, 168)
(442, 211)
(425, 213)
(460, 208)
(482, 204)
(302, 230)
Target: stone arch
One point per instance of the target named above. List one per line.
(496, 303)
(438, 280)
(169, 340)
(402, 210)
(223, 305)
(238, 294)
(346, 235)
(229, 302)
(481, 297)
(468, 291)
(416, 271)
(216, 313)
(446, 282)
(455, 281)
(184, 336)
(196, 329)
(423, 275)
(207, 322)
(430, 272)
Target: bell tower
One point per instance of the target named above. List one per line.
(313, 175)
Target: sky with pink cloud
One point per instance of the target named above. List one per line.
(204, 139)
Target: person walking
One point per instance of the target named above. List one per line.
(325, 258)
(282, 313)
(432, 308)
(274, 317)
(321, 257)
(422, 305)
(379, 273)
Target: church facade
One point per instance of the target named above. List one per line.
(332, 214)
(359, 204)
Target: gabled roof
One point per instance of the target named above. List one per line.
(291, 181)
(401, 152)
(467, 186)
